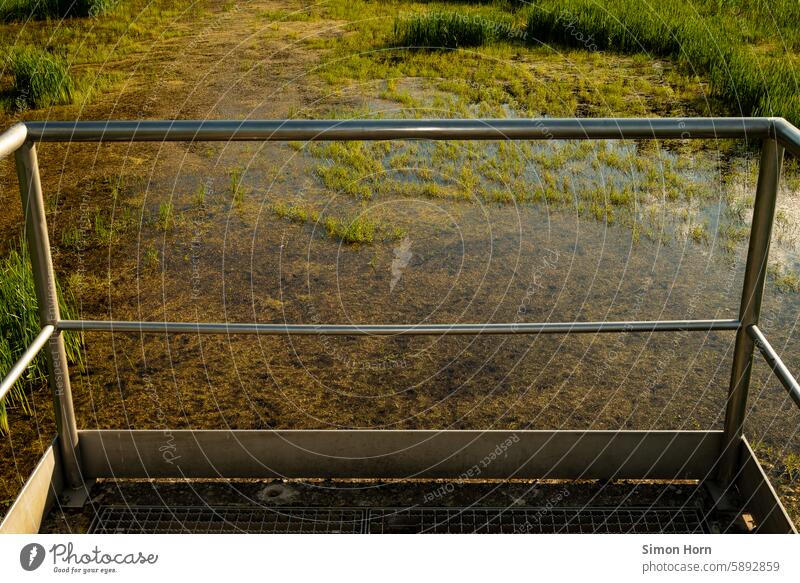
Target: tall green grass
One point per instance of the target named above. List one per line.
(703, 35)
(39, 79)
(41, 9)
(452, 30)
(19, 326)
(744, 48)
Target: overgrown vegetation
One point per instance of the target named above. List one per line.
(451, 30)
(19, 323)
(92, 44)
(40, 79)
(731, 43)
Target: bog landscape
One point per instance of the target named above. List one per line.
(400, 232)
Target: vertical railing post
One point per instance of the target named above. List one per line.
(44, 278)
(755, 273)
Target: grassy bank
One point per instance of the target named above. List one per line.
(452, 30)
(746, 50)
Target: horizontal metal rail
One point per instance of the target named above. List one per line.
(775, 363)
(22, 364)
(400, 329)
(386, 129)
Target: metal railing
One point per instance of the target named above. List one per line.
(775, 135)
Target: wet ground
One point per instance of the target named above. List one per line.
(466, 253)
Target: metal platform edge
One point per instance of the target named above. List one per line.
(759, 495)
(400, 454)
(43, 487)
(415, 454)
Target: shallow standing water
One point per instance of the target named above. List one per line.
(457, 261)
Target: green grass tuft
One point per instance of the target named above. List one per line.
(39, 79)
(200, 195)
(151, 259)
(359, 230)
(19, 325)
(166, 216)
(356, 231)
(237, 187)
(293, 212)
(783, 278)
(452, 30)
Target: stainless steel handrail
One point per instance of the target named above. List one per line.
(401, 330)
(404, 129)
(23, 362)
(775, 134)
(776, 364)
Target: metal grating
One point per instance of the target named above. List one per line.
(536, 520)
(227, 520)
(473, 520)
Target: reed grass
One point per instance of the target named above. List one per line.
(39, 79)
(452, 30)
(19, 326)
(703, 35)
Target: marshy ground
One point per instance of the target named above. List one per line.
(391, 232)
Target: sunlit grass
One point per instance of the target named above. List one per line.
(447, 30)
(166, 216)
(19, 322)
(704, 35)
(92, 46)
(39, 79)
(358, 230)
